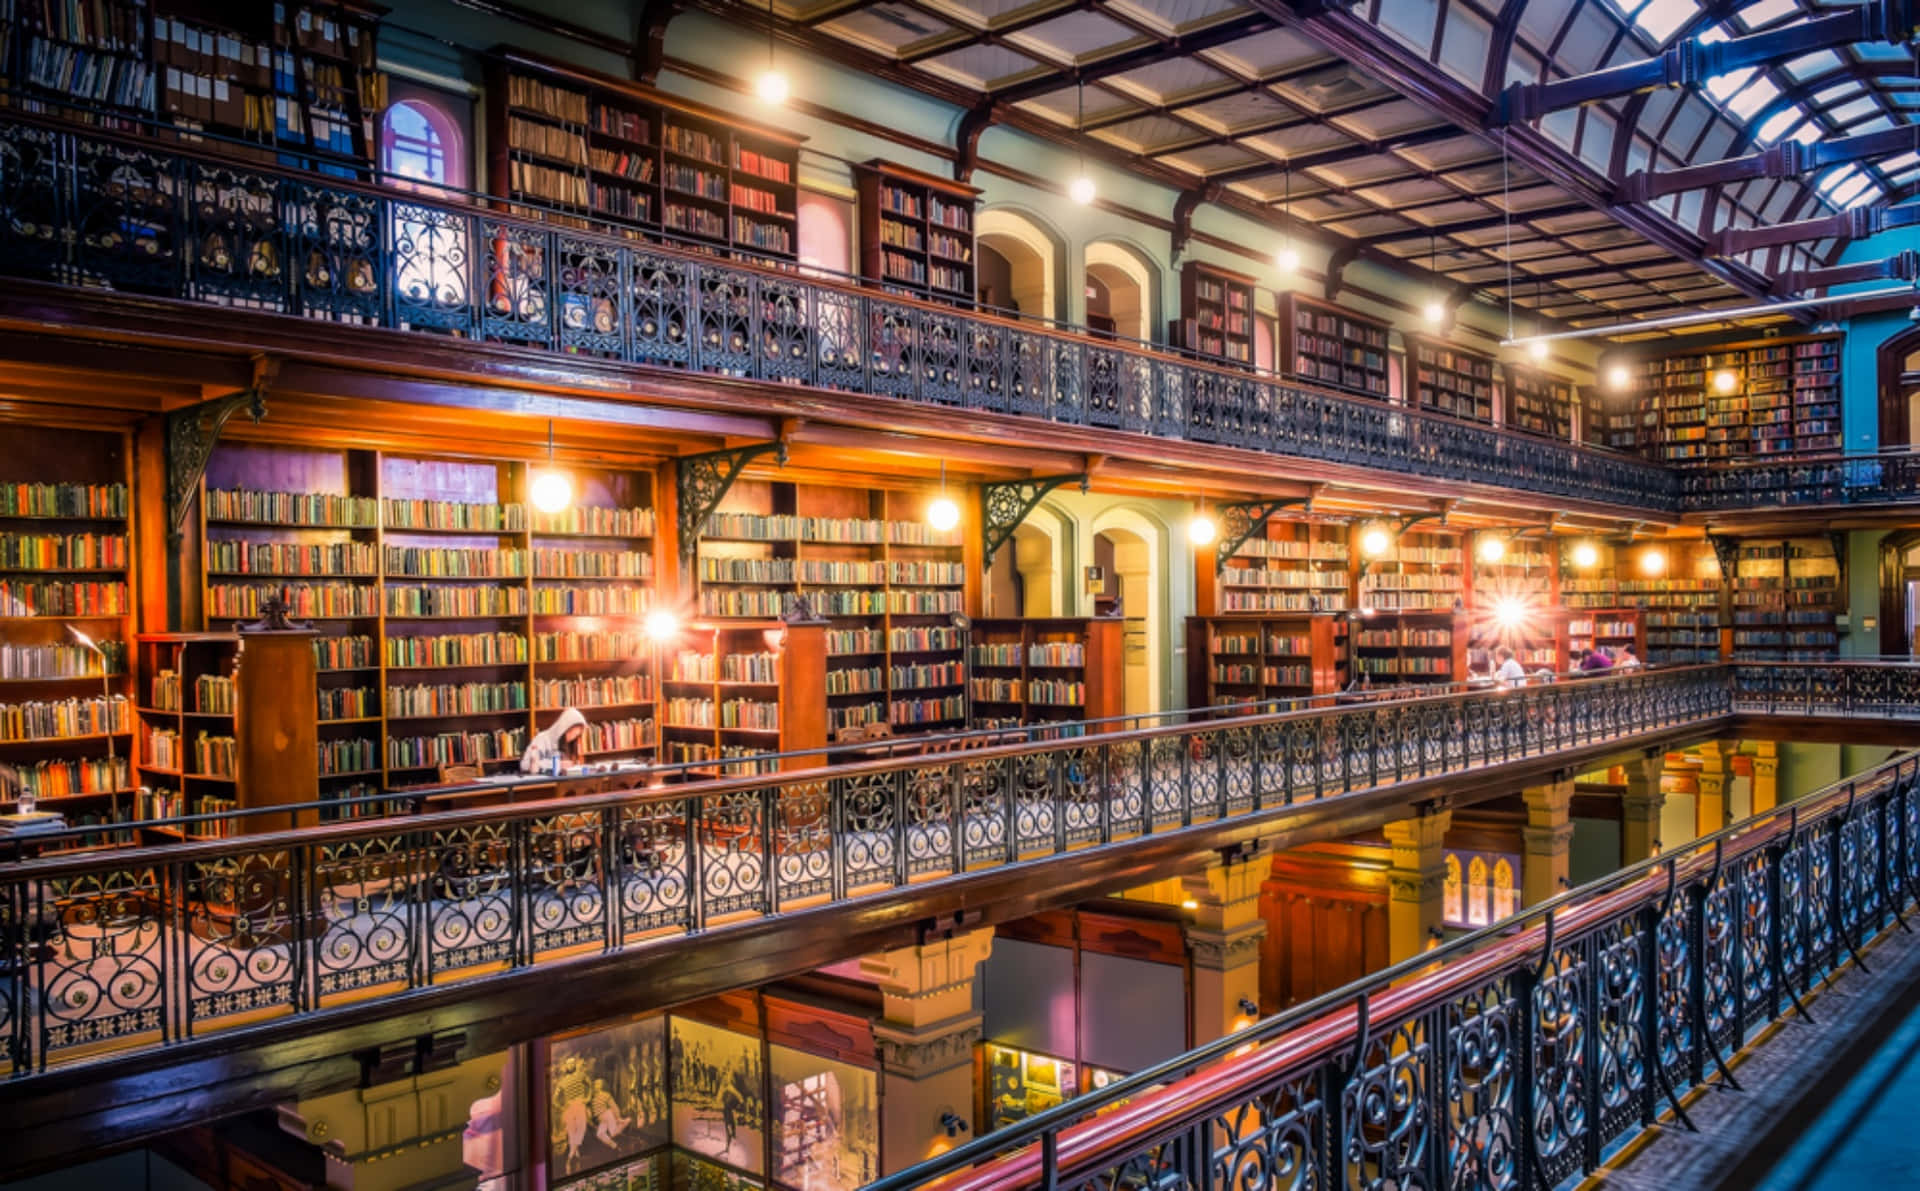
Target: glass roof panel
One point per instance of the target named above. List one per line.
(1777, 125)
(1808, 65)
(1752, 99)
(1754, 15)
(1660, 19)
(1723, 87)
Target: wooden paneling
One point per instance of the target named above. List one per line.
(1325, 906)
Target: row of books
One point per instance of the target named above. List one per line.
(1404, 638)
(456, 649)
(36, 597)
(781, 527)
(1270, 577)
(927, 674)
(348, 703)
(98, 502)
(232, 557)
(619, 736)
(591, 601)
(1242, 599)
(353, 754)
(292, 508)
(902, 712)
(1055, 654)
(231, 601)
(1242, 674)
(61, 661)
(455, 748)
(466, 698)
(612, 690)
(56, 718)
(547, 140)
(74, 551)
(85, 775)
(543, 98)
(857, 681)
(607, 645)
(344, 653)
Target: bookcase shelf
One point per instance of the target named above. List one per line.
(619, 152)
(1539, 402)
(1421, 572)
(1038, 670)
(1410, 647)
(1785, 399)
(1786, 596)
(65, 500)
(1298, 567)
(1216, 313)
(1449, 380)
(1249, 658)
(1331, 345)
(477, 608)
(732, 690)
(888, 586)
(297, 81)
(1514, 602)
(916, 231)
(1609, 628)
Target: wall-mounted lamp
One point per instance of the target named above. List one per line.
(1247, 1007)
(951, 1124)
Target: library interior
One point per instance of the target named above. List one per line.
(653, 595)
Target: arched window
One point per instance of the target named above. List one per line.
(422, 140)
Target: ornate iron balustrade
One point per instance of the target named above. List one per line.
(125, 950)
(1524, 1051)
(1886, 477)
(96, 210)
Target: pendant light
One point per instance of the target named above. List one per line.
(1201, 530)
(943, 514)
(1436, 310)
(1287, 259)
(551, 490)
(1538, 349)
(771, 86)
(1080, 190)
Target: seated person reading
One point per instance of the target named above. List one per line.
(565, 743)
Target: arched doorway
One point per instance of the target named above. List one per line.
(1125, 289)
(1019, 264)
(1131, 549)
(1027, 577)
(1900, 390)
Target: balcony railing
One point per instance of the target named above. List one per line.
(1891, 476)
(1515, 1057)
(92, 209)
(117, 951)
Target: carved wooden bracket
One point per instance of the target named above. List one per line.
(193, 431)
(702, 481)
(967, 141)
(1337, 264)
(1183, 211)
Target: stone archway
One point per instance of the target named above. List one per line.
(1129, 285)
(1032, 255)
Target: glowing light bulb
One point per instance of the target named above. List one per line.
(771, 87)
(552, 491)
(943, 514)
(1287, 259)
(1618, 377)
(1080, 190)
(1653, 561)
(1725, 382)
(1492, 549)
(1189, 904)
(1538, 349)
(661, 624)
(1435, 312)
(1201, 530)
(1585, 554)
(1509, 612)
(1375, 542)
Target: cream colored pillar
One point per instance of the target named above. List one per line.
(1416, 882)
(1224, 940)
(402, 1135)
(1710, 806)
(925, 1038)
(1640, 808)
(1766, 777)
(1548, 839)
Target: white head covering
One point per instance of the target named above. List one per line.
(541, 749)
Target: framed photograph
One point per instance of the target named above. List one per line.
(826, 1125)
(606, 1096)
(718, 1105)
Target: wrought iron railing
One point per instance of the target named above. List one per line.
(106, 952)
(1891, 476)
(1515, 1057)
(98, 210)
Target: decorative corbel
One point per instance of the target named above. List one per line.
(1246, 519)
(1183, 211)
(973, 122)
(1337, 264)
(1005, 504)
(193, 430)
(702, 481)
(650, 38)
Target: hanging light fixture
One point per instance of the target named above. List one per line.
(1618, 377)
(1585, 555)
(771, 86)
(551, 490)
(943, 514)
(1724, 381)
(1287, 258)
(1436, 310)
(1375, 540)
(1538, 349)
(1491, 548)
(1080, 190)
(1201, 530)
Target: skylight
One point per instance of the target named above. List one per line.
(1754, 15)
(1777, 125)
(1751, 100)
(1808, 65)
(1660, 19)
(1844, 195)
(1723, 87)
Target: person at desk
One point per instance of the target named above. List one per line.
(564, 743)
(1509, 672)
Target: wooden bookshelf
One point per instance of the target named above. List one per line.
(453, 620)
(298, 81)
(226, 724)
(1608, 628)
(1253, 658)
(1786, 598)
(1514, 601)
(1784, 399)
(1331, 345)
(1039, 670)
(865, 561)
(1423, 571)
(602, 147)
(1539, 638)
(1449, 380)
(1681, 607)
(916, 231)
(67, 562)
(1410, 648)
(1216, 313)
(1538, 402)
(1298, 566)
(732, 690)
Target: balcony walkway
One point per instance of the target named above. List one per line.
(92, 212)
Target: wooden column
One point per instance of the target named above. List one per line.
(275, 723)
(1640, 807)
(403, 1134)
(926, 1039)
(1224, 941)
(1546, 864)
(1416, 880)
